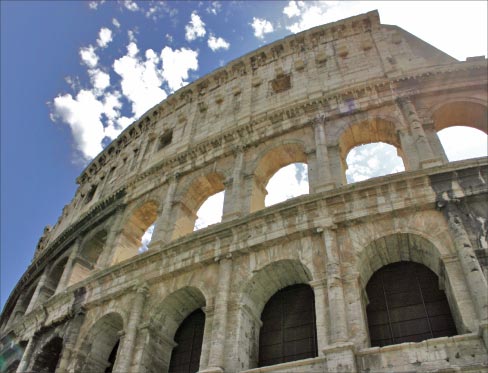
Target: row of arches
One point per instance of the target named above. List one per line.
(287, 162)
(404, 304)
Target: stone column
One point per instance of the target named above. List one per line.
(124, 356)
(164, 225)
(472, 271)
(140, 351)
(325, 181)
(63, 282)
(207, 336)
(435, 142)
(40, 289)
(109, 249)
(69, 341)
(219, 324)
(26, 357)
(321, 312)
(337, 165)
(340, 352)
(232, 198)
(420, 140)
(337, 309)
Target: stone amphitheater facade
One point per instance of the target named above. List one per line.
(89, 302)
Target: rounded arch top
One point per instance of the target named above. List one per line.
(461, 112)
(271, 278)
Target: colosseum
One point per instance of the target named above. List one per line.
(388, 274)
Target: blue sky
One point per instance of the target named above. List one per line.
(75, 73)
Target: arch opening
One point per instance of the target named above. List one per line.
(372, 160)
(98, 352)
(406, 305)
(185, 356)
(288, 182)
(275, 160)
(167, 321)
(48, 357)
(209, 187)
(463, 142)
(288, 330)
(136, 232)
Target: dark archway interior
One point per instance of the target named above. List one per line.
(48, 358)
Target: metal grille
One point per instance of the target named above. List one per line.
(406, 305)
(185, 357)
(288, 332)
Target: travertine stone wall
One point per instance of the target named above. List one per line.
(308, 98)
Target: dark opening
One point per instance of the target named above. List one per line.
(185, 357)
(289, 331)
(406, 305)
(112, 357)
(48, 358)
(165, 140)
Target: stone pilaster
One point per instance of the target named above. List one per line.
(219, 324)
(420, 140)
(127, 344)
(337, 308)
(324, 178)
(63, 282)
(320, 294)
(39, 293)
(471, 268)
(109, 249)
(164, 224)
(207, 336)
(26, 357)
(232, 199)
(70, 342)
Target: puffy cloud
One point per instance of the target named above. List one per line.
(130, 5)
(217, 43)
(83, 115)
(293, 8)
(140, 79)
(116, 22)
(372, 160)
(104, 37)
(88, 56)
(131, 34)
(195, 28)
(100, 80)
(261, 27)
(176, 64)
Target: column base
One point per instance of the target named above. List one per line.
(212, 370)
(431, 163)
(325, 187)
(340, 357)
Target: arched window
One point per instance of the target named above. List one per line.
(288, 332)
(461, 142)
(288, 182)
(406, 305)
(372, 160)
(185, 357)
(210, 212)
(48, 357)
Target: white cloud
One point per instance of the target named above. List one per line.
(131, 5)
(146, 239)
(83, 115)
(104, 37)
(176, 64)
(88, 56)
(100, 80)
(293, 8)
(195, 28)
(261, 27)
(372, 160)
(140, 79)
(214, 8)
(169, 38)
(131, 34)
(94, 4)
(288, 182)
(116, 22)
(217, 43)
